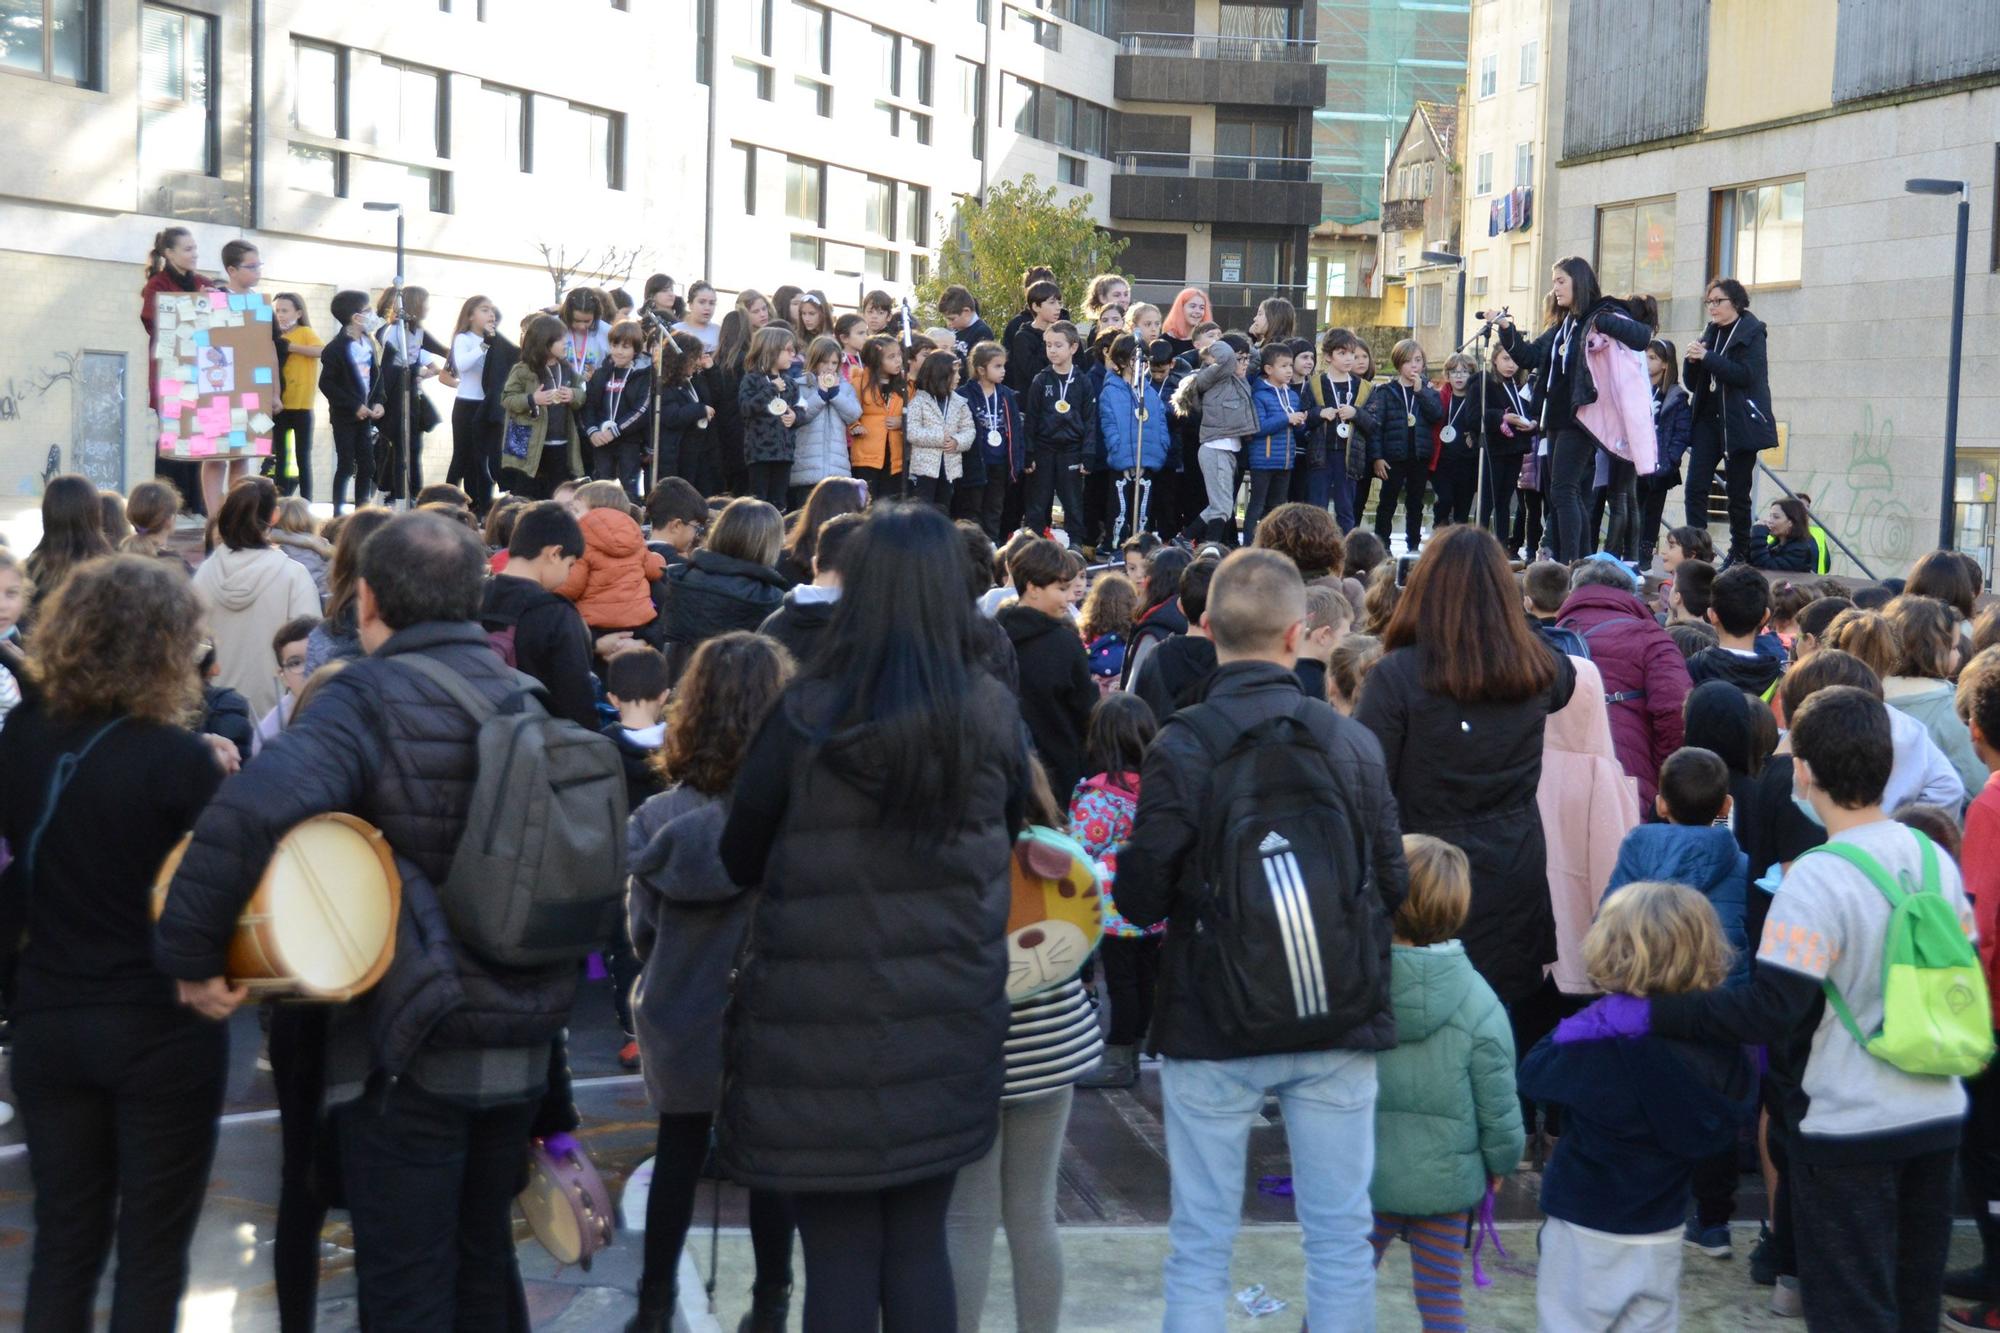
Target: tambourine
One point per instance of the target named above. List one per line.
(567, 1206)
(321, 924)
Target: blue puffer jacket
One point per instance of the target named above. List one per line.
(1708, 860)
(1129, 442)
(1271, 448)
(1672, 421)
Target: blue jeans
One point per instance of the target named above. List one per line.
(1329, 1111)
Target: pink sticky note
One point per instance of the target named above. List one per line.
(169, 440)
(251, 401)
(218, 299)
(169, 389)
(261, 446)
(202, 446)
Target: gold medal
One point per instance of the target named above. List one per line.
(1410, 420)
(1143, 414)
(1062, 405)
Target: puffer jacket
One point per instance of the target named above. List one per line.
(1220, 396)
(1705, 858)
(713, 594)
(1646, 679)
(987, 460)
(1670, 427)
(877, 444)
(864, 1042)
(1391, 437)
(308, 550)
(1468, 773)
(1270, 448)
(1446, 1114)
(819, 444)
(387, 744)
(938, 435)
(687, 921)
(1129, 442)
(609, 583)
(766, 437)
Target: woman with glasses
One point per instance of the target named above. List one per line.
(1728, 380)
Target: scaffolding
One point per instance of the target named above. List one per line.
(1381, 57)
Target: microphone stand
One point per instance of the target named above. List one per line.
(659, 339)
(1483, 335)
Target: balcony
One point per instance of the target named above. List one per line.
(1213, 69)
(1188, 187)
(1402, 215)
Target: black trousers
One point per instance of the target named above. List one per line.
(878, 1253)
(1571, 463)
(1872, 1242)
(985, 505)
(1653, 492)
(1738, 471)
(353, 456)
(695, 461)
(1500, 504)
(678, 1155)
(119, 1104)
(298, 1069)
(882, 484)
(1405, 480)
(932, 491)
(1979, 1165)
(1131, 966)
(1268, 489)
(470, 452)
(430, 1188)
(1622, 499)
(771, 482)
(1058, 474)
(1456, 478)
(619, 461)
(292, 429)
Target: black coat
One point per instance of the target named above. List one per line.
(1498, 405)
(766, 438)
(1468, 773)
(388, 745)
(1568, 383)
(1671, 424)
(1390, 439)
(1798, 553)
(500, 358)
(1057, 691)
(1159, 875)
(713, 594)
(551, 643)
(799, 626)
(683, 407)
(864, 1043)
(1738, 407)
(629, 418)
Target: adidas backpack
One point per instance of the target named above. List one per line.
(1290, 939)
(539, 874)
(1935, 1015)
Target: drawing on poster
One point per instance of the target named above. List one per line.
(218, 369)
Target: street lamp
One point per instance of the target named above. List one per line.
(1949, 512)
(401, 469)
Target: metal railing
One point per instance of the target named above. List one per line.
(1215, 46)
(1215, 166)
(1162, 291)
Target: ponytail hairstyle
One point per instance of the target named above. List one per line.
(164, 240)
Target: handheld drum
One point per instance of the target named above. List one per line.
(566, 1204)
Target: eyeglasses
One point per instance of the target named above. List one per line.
(1716, 300)
(291, 664)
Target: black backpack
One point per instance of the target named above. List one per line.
(1288, 947)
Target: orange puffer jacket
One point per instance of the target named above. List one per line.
(609, 584)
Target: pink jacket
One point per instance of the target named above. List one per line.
(1588, 806)
(1622, 416)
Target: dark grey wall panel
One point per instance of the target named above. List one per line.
(1205, 199)
(1637, 71)
(1882, 46)
(1131, 133)
(1295, 83)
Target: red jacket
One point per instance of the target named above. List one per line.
(1979, 859)
(1645, 678)
(163, 281)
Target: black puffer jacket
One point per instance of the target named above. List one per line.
(388, 745)
(1159, 874)
(713, 594)
(1467, 773)
(1738, 406)
(864, 1046)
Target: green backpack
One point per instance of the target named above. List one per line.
(1935, 1014)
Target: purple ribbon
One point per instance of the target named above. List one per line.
(1276, 1186)
(1485, 1231)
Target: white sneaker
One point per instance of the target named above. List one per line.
(6, 1113)
(1786, 1300)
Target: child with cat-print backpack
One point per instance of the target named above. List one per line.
(1100, 818)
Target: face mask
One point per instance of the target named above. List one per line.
(1805, 807)
(372, 321)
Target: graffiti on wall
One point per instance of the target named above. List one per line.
(1863, 499)
(39, 383)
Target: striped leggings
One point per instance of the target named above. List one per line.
(1437, 1249)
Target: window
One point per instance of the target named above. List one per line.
(920, 125)
(1479, 273)
(1432, 304)
(591, 142)
(1043, 32)
(745, 156)
(1482, 174)
(410, 110)
(1489, 75)
(1757, 232)
(1020, 104)
(1053, 117)
(316, 170)
(812, 97)
(917, 215)
(879, 265)
(1072, 170)
(1520, 268)
(413, 187)
(805, 191)
(1635, 249)
(813, 47)
(810, 251)
(888, 59)
(916, 66)
(878, 207)
(972, 104)
(1092, 14)
(319, 90)
(1524, 164)
(1238, 142)
(1531, 63)
(176, 126)
(757, 25)
(1245, 261)
(504, 128)
(1251, 23)
(51, 38)
(751, 79)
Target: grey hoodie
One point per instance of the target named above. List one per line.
(1227, 408)
(687, 921)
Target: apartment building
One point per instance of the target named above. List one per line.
(1510, 108)
(1773, 145)
(1420, 213)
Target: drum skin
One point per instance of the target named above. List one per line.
(566, 1204)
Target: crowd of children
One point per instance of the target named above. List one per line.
(1633, 831)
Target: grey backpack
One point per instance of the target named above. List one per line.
(539, 874)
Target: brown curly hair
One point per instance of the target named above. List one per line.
(1306, 533)
(119, 637)
(731, 683)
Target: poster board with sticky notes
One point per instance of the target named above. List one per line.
(216, 369)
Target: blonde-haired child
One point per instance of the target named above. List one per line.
(1639, 1113)
(1447, 1119)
